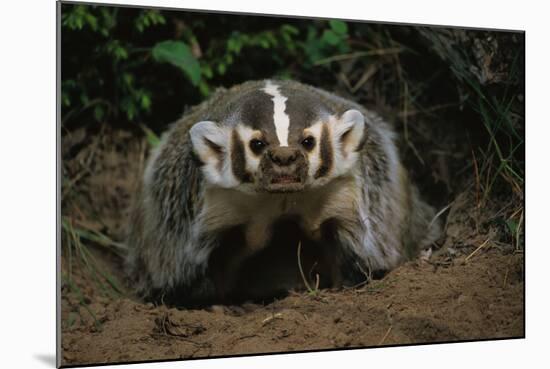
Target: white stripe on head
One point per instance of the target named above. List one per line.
(280, 118)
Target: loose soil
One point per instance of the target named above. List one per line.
(472, 287)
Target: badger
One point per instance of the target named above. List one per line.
(272, 165)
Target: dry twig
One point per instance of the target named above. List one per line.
(476, 250)
(385, 335)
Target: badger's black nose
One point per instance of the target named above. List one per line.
(283, 155)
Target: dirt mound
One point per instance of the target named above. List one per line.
(416, 303)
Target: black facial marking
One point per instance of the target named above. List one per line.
(325, 153)
(238, 159)
(256, 112)
(303, 111)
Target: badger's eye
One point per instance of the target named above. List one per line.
(257, 146)
(308, 143)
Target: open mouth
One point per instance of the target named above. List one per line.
(285, 183)
(285, 179)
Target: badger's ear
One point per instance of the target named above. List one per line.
(210, 142)
(349, 130)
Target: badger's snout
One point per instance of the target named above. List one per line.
(283, 155)
(283, 169)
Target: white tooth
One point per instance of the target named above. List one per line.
(280, 118)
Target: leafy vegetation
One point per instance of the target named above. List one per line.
(118, 63)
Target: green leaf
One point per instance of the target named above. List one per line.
(221, 69)
(99, 113)
(207, 71)
(145, 102)
(204, 88)
(287, 28)
(92, 21)
(178, 54)
(152, 138)
(512, 226)
(84, 99)
(128, 106)
(331, 38)
(65, 99)
(339, 27)
(231, 45)
(128, 79)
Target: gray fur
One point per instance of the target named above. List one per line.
(370, 214)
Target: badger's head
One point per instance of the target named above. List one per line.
(278, 139)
